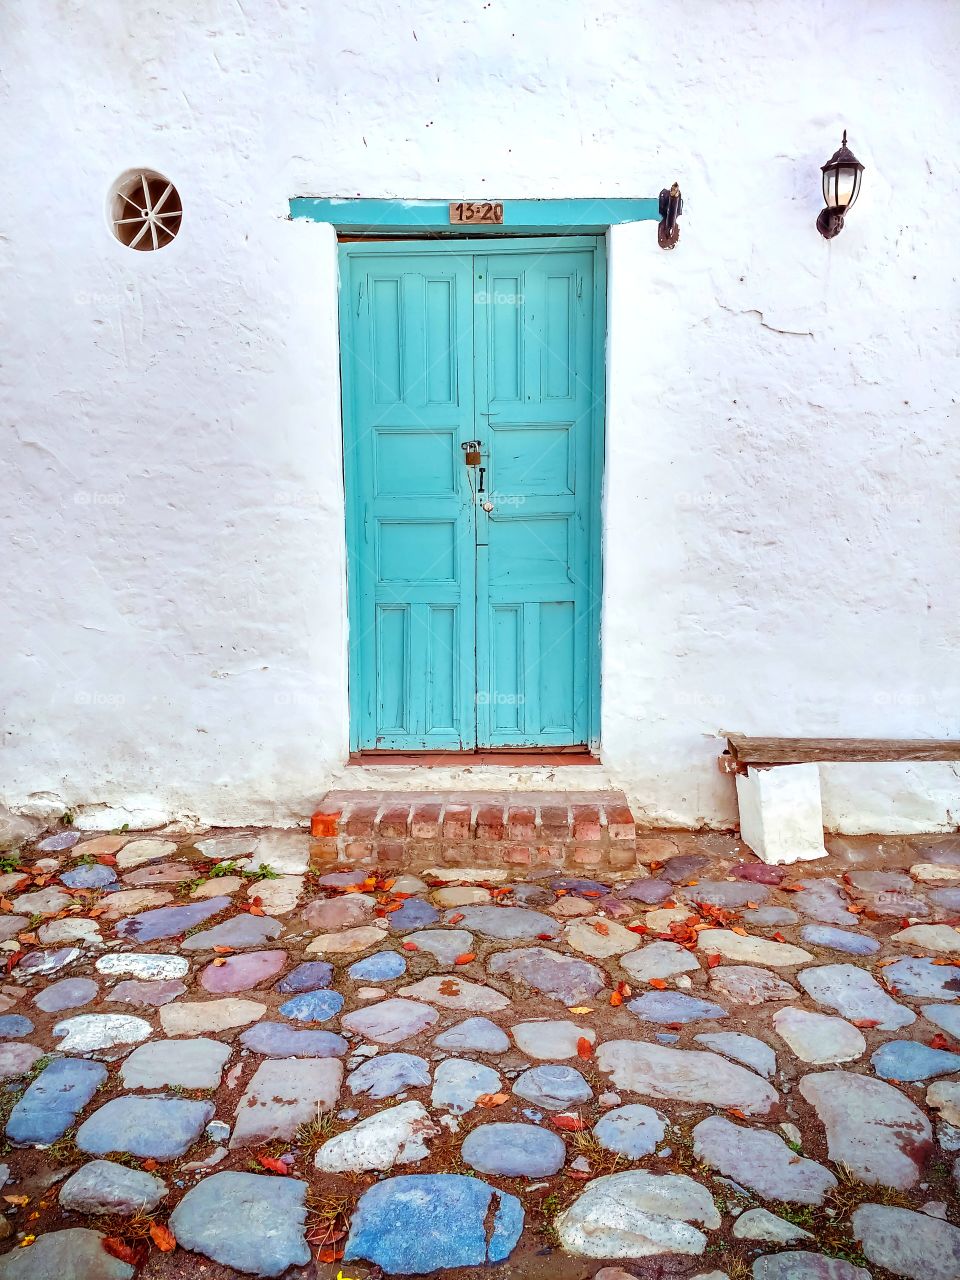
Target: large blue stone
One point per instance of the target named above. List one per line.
(151, 1128)
(14, 1027)
(248, 1222)
(389, 1074)
(910, 1060)
(277, 1040)
(167, 922)
(854, 944)
(313, 1006)
(920, 978)
(514, 1150)
(93, 876)
(414, 914)
(308, 976)
(945, 1016)
(673, 1006)
(421, 1222)
(380, 967)
(53, 1101)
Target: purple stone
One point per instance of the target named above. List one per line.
(613, 907)
(414, 914)
(155, 993)
(69, 993)
(277, 1040)
(649, 891)
(757, 873)
(683, 866)
(574, 885)
(723, 893)
(167, 922)
(947, 899)
(90, 876)
(306, 977)
(240, 973)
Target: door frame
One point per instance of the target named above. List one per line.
(474, 244)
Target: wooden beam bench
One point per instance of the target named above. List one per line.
(778, 784)
(743, 750)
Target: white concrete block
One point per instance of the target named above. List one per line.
(781, 816)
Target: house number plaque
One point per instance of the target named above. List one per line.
(476, 211)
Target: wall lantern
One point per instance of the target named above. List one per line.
(671, 207)
(841, 186)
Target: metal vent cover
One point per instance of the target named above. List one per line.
(145, 210)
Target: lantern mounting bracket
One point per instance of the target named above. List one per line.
(671, 207)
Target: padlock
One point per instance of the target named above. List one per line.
(472, 455)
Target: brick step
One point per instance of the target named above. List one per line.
(462, 828)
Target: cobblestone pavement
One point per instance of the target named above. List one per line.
(220, 1056)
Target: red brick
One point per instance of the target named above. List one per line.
(323, 848)
(390, 851)
(620, 823)
(358, 850)
(521, 823)
(586, 822)
(517, 853)
(324, 823)
(587, 855)
(621, 856)
(456, 823)
(393, 822)
(360, 820)
(425, 823)
(555, 822)
(490, 822)
(549, 855)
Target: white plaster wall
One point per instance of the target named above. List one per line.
(780, 506)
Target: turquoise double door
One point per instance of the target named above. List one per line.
(473, 422)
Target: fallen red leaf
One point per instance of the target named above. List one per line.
(129, 1251)
(939, 1041)
(256, 911)
(616, 998)
(492, 1099)
(659, 983)
(449, 988)
(465, 958)
(584, 1048)
(735, 1111)
(570, 1124)
(330, 1253)
(713, 961)
(545, 937)
(410, 946)
(223, 951)
(866, 1022)
(14, 958)
(601, 928)
(624, 989)
(455, 918)
(274, 1165)
(162, 1237)
(778, 937)
(108, 859)
(150, 1164)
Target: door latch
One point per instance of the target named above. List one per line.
(472, 455)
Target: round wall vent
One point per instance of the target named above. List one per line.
(145, 210)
